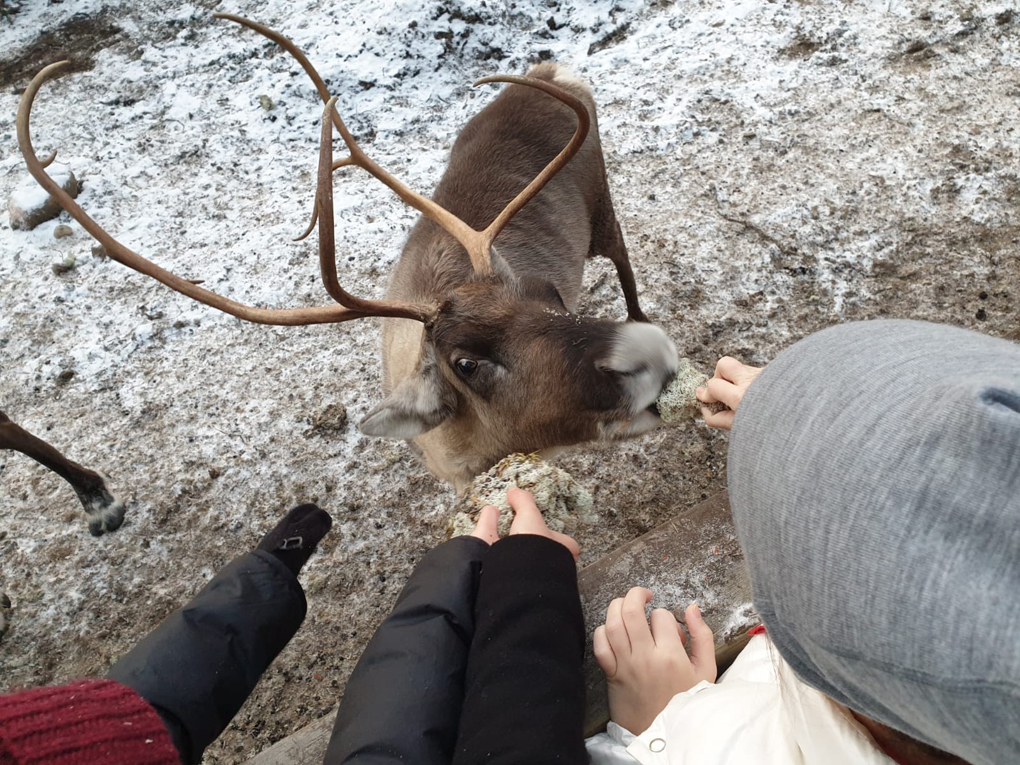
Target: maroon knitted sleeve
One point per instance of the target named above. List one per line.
(88, 722)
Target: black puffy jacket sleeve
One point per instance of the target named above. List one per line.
(524, 698)
(403, 700)
(197, 668)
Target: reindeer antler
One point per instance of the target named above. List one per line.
(477, 243)
(354, 308)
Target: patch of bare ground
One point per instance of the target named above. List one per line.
(77, 40)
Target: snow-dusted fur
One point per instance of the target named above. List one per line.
(566, 78)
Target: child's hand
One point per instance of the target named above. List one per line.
(527, 520)
(731, 381)
(646, 667)
(487, 526)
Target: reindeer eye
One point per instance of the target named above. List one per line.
(467, 367)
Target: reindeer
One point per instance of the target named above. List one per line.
(102, 508)
(483, 352)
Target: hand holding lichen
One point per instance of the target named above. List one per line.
(726, 390)
(563, 502)
(678, 402)
(692, 393)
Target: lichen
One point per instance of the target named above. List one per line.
(564, 503)
(678, 402)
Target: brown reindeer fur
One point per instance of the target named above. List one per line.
(550, 387)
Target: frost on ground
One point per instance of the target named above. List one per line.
(776, 167)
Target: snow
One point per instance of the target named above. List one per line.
(28, 195)
(776, 167)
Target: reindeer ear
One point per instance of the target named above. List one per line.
(543, 290)
(418, 404)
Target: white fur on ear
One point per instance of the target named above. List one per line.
(418, 404)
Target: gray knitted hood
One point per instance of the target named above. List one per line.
(874, 474)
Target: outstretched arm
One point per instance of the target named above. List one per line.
(524, 699)
(403, 701)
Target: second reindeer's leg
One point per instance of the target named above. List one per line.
(104, 511)
(607, 241)
(5, 610)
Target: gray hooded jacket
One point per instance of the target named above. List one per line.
(875, 482)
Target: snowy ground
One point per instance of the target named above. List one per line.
(777, 167)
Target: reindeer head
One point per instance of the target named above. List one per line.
(505, 367)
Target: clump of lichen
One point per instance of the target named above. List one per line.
(564, 503)
(678, 402)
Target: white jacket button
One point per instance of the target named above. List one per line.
(657, 744)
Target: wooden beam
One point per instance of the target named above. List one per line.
(305, 747)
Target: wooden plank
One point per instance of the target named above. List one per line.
(694, 557)
(305, 747)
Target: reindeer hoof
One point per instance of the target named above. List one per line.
(104, 511)
(107, 519)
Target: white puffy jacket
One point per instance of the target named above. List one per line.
(758, 711)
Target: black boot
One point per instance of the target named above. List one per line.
(293, 539)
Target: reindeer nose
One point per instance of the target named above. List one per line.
(645, 358)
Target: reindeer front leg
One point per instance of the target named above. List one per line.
(104, 511)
